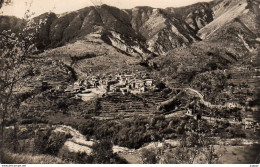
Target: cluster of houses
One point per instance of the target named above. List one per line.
(134, 83)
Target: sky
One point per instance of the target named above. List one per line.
(18, 7)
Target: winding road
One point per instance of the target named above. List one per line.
(208, 104)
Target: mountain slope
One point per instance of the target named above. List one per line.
(162, 30)
(230, 12)
(76, 25)
(224, 63)
(164, 33)
(142, 29)
(196, 16)
(92, 56)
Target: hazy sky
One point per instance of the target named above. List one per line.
(19, 7)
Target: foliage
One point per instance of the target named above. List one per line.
(15, 49)
(148, 156)
(235, 132)
(103, 153)
(210, 83)
(193, 146)
(55, 142)
(137, 131)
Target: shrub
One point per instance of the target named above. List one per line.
(103, 153)
(234, 132)
(79, 157)
(148, 156)
(56, 141)
(236, 142)
(41, 140)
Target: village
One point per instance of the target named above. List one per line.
(99, 86)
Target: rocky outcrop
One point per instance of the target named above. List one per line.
(161, 30)
(196, 16)
(230, 18)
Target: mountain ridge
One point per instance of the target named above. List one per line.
(145, 32)
(132, 23)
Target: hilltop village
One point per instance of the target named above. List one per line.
(124, 83)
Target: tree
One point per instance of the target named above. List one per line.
(103, 153)
(16, 48)
(188, 150)
(149, 156)
(194, 145)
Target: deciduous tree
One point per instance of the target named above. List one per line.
(16, 48)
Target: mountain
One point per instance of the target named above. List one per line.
(238, 15)
(135, 31)
(226, 58)
(139, 28)
(186, 41)
(202, 58)
(110, 22)
(161, 30)
(148, 30)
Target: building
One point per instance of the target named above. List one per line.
(124, 90)
(149, 82)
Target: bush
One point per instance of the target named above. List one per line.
(160, 85)
(79, 157)
(234, 132)
(236, 142)
(148, 156)
(56, 141)
(41, 140)
(103, 153)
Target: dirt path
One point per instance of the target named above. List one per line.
(210, 105)
(202, 100)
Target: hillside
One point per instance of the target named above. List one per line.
(105, 39)
(92, 56)
(161, 30)
(144, 29)
(229, 47)
(140, 85)
(235, 17)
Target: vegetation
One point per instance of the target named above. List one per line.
(195, 148)
(203, 79)
(15, 49)
(102, 153)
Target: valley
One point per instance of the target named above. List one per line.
(142, 85)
